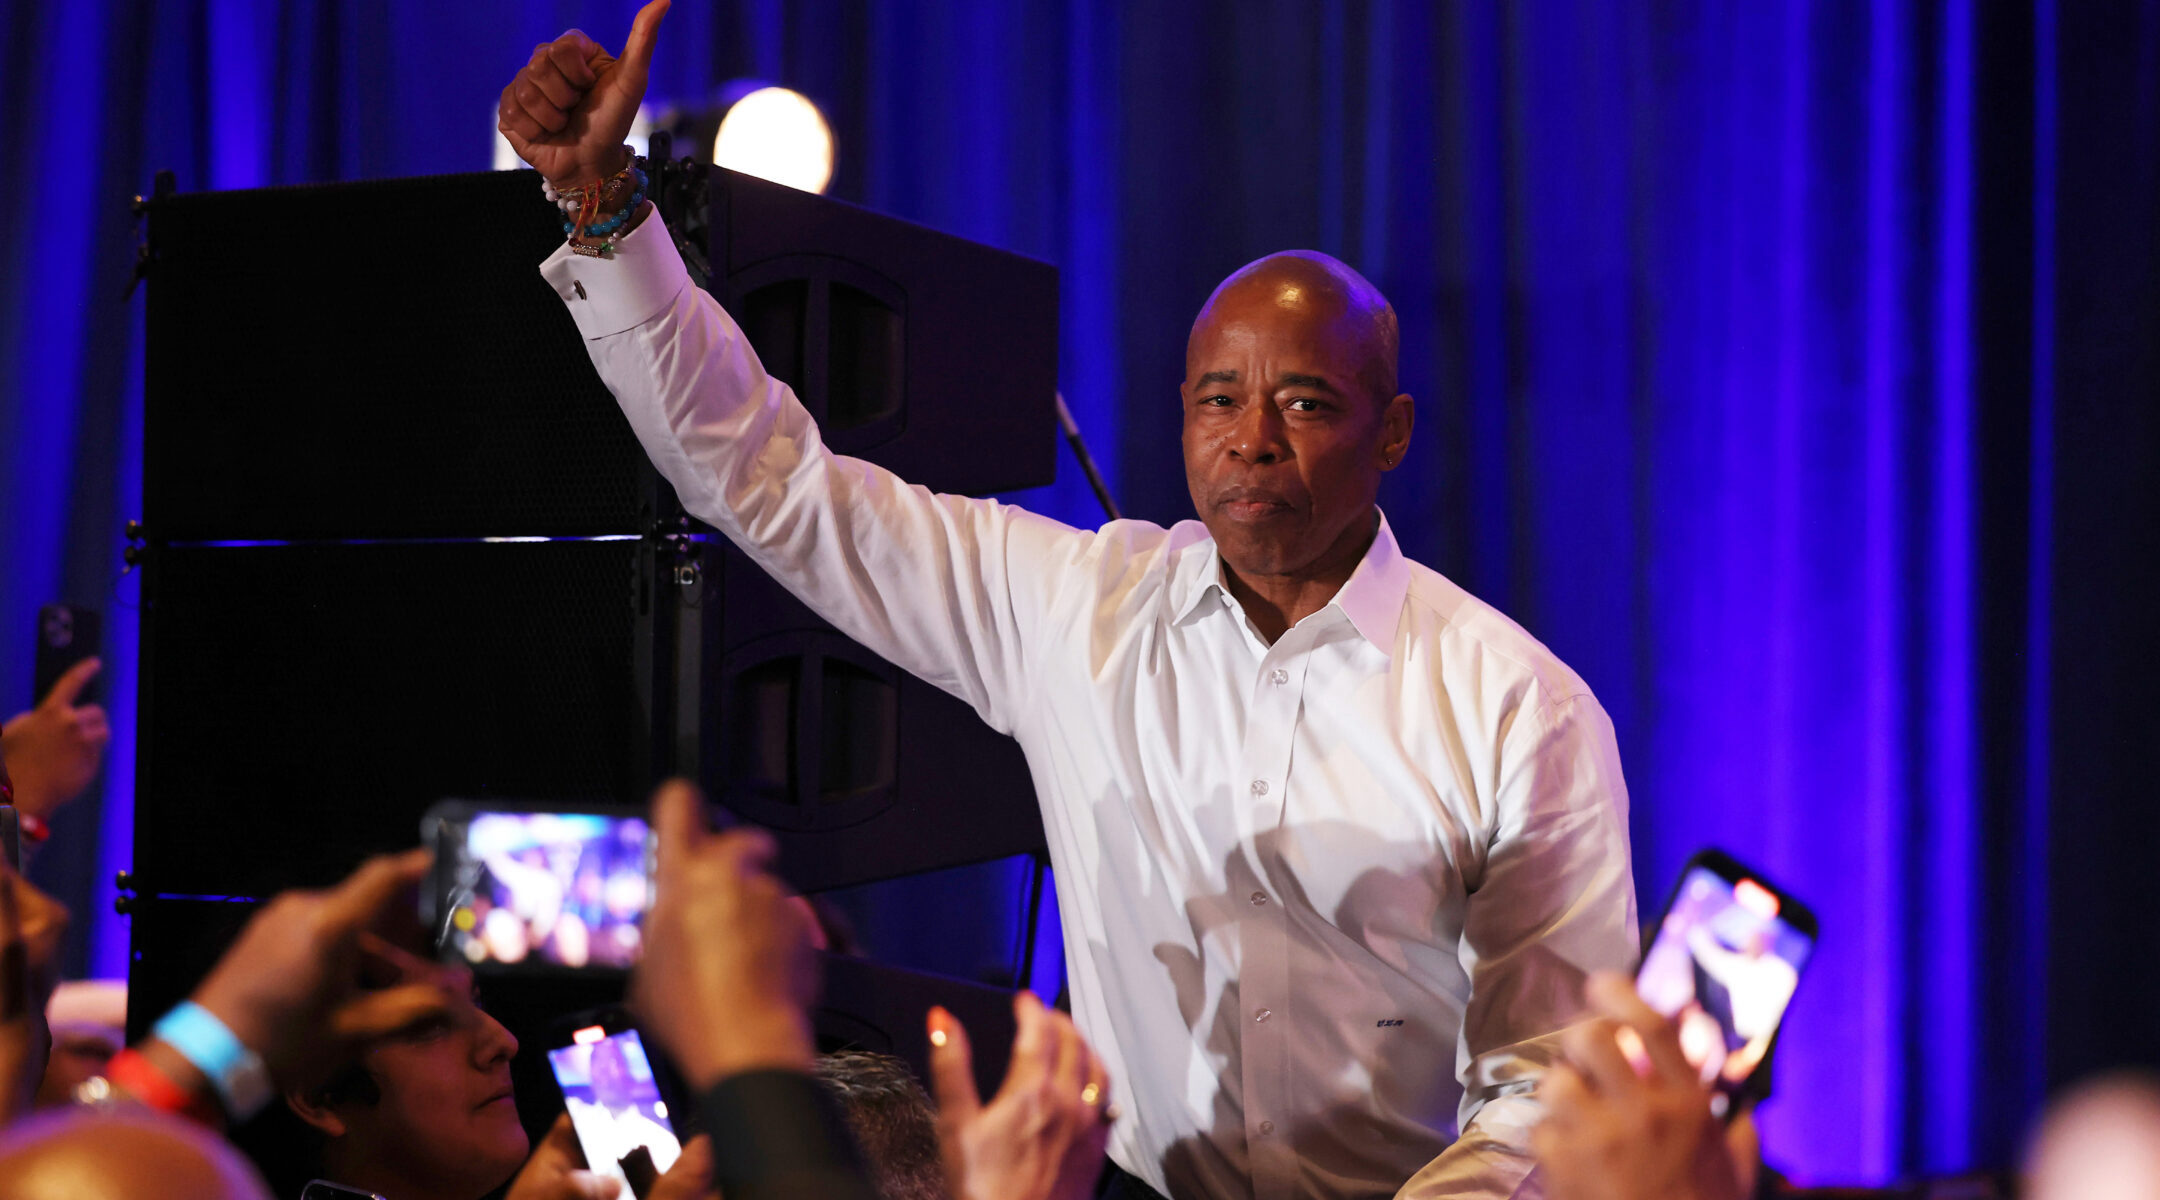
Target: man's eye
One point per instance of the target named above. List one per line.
(1303, 404)
(1216, 402)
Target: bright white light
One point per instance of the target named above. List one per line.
(777, 134)
(507, 159)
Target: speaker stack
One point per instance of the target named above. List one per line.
(402, 545)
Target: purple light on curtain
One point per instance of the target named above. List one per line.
(239, 50)
(1946, 1016)
(1883, 820)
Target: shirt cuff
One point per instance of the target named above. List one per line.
(775, 1132)
(636, 284)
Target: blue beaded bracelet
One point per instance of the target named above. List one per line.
(604, 228)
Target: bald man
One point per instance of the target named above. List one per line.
(1335, 842)
(127, 1154)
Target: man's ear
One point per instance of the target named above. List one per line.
(1396, 421)
(314, 1108)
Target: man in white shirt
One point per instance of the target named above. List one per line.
(1335, 842)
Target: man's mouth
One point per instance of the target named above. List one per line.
(1251, 504)
(497, 1098)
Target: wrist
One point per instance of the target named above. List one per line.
(222, 1053)
(156, 1075)
(584, 175)
(780, 1040)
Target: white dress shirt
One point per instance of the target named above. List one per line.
(1323, 899)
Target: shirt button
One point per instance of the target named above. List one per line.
(1266, 1128)
(1259, 787)
(1278, 677)
(1263, 1014)
(1259, 898)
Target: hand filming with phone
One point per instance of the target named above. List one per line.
(1651, 1097)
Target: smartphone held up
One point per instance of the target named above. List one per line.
(1723, 963)
(522, 888)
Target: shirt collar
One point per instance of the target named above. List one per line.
(1372, 598)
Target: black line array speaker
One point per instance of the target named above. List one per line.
(401, 543)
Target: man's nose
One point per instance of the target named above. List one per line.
(1258, 438)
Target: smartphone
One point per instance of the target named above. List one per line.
(66, 636)
(614, 1094)
(538, 889)
(323, 1189)
(11, 836)
(1723, 963)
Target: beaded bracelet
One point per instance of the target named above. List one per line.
(622, 215)
(582, 205)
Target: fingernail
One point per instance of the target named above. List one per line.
(938, 1036)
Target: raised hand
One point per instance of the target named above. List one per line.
(30, 927)
(1616, 1131)
(53, 751)
(728, 968)
(556, 1171)
(292, 985)
(567, 112)
(1042, 1136)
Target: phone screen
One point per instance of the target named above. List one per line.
(614, 1101)
(1726, 959)
(563, 890)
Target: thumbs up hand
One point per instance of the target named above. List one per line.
(570, 107)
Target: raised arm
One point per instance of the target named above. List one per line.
(940, 585)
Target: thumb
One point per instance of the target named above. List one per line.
(952, 1069)
(637, 52)
(70, 684)
(559, 1149)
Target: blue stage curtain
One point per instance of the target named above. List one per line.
(1739, 331)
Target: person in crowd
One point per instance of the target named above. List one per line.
(53, 751)
(314, 1001)
(31, 924)
(88, 1019)
(2100, 1141)
(1628, 1116)
(427, 1112)
(893, 1120)
(1044, 1132)
(723, 989)
(123, 1155)
(1335, 841)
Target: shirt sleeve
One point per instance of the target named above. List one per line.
(939, 585)
(1555, 900)
(776, 1136)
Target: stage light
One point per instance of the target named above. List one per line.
(506, 159)
(777, 134)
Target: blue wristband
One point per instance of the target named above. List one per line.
(242, 1083)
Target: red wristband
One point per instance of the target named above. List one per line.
(142, 1079)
